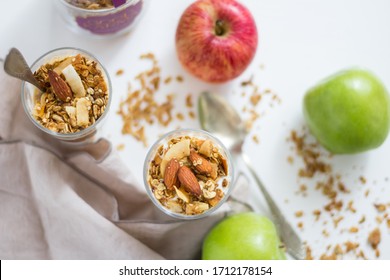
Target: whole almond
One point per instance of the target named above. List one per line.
(60, 87)
(201, 164)
(170, 176)
(189, 181)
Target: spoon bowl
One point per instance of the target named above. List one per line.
(219, 117)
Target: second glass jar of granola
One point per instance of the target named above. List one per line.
(101, 18)
(188, 174)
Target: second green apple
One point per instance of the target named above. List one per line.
(348, 112)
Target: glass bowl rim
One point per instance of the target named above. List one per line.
(100, 11)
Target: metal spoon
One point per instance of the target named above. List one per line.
(220, 118)
(16, 66)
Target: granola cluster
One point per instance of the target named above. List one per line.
(75, 96)
(92, 4)
(188, 175)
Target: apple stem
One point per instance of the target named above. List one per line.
(219, 27)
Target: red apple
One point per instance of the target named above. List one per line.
(216, 39)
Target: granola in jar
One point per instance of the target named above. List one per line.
(92, 4)
(189, 175)
(75, 97)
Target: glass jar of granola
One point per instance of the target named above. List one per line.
(77, 95)
(188, 174)
(101, 18)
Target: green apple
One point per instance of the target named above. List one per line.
(348, 112)
(244, 236)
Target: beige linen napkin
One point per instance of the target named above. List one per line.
(54, 205)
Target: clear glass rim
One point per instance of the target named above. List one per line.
(81, 133)
(187, 131)
(100, 11)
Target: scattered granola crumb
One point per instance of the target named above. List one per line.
(191, 114)
(380, 207)
(119, 72)
(179, 79)
(300, 225)
(374, 238)
(332, 256)
(255, 98)
(367, 192)
(180, 116)
(379, 219)
(251, 120)
(309, 255)
(353, 229)
(189, 102)
(120, 147)
(337, 220)
(290, 160)
(298, 214)
(350, 207)
(362, 219)
(334, 205)
(302, 190)
(325, 233)
(248, 82)
(255, 139)
(351, 246)
(377, 253)
(317, 214)
(342, 188)
(363, 180)
(337, 250)
(361, 255)
(167, 80)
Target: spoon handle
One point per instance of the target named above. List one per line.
(16, 66)
(288, 235)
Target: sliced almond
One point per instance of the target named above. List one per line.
(206, 149)
(74, 81)
(82, 111)
(196, 208)
(182, 194)
(63, 65)
(178, 151)
(71, 111)
(174, 206)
